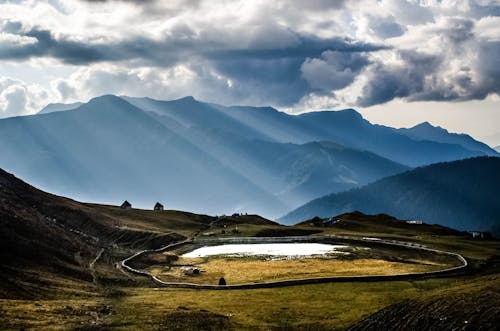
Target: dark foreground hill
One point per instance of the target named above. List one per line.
(461, 194)
(58, 270)
(469, 306)
(47, 240)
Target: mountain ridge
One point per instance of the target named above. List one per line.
(206, 157)
(459, 194)
(57, 107)
(426, 131)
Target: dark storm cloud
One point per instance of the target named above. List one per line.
(133, 1)
(387, 28)
(277, 73)
(437, 52)
(432, 77)
(46, 45)
(335, 70)
(272, 72)
(386, 83)
(79, 53)
(307, 46)
(166, 51)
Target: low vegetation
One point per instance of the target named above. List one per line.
(74, 282)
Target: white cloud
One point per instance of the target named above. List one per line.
(19, 98)
(234, 51)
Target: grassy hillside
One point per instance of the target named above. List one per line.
(59, 272)
(47, 239)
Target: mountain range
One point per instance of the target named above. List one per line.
(425, 131)
(210, 158)
(460, 194)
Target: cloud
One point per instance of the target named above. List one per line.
(443, 61)
(19, 98)
(387, 28)
(284, 53)
(274, 71)
(387, 82)
(335, 70)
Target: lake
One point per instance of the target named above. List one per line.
(272, 249)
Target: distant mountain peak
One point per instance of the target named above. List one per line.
(429, 126)
(57, 107)
(107, 99)
(423, 125)
(186, 99)
(427, 131)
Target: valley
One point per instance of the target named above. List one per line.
(86, 288)
(250, 165)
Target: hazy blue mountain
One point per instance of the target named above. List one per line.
(188, 112)
(55, 107)
(346, 127)
(497, 149)
(350, 129)
(109, 150)
(206, 157)
(426, 131)
(295, 173)
(461, 194)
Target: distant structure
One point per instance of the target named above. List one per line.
(414, 222)
(222, 281)
(190, 271)
(126, 205)
(158, 206)
(480, 235)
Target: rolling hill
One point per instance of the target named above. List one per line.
(47, 242)
(460, 194)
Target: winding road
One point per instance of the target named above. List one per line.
(314, 280)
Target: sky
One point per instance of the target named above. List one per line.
(397, 62)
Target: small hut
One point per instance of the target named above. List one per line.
(126, 205)
(158, 206)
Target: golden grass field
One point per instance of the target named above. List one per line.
(140, 304)
(250, 270)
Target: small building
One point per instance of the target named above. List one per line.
(190, 271)
(158, 206)
(415, 222)
(126, 205)
(480, 235)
